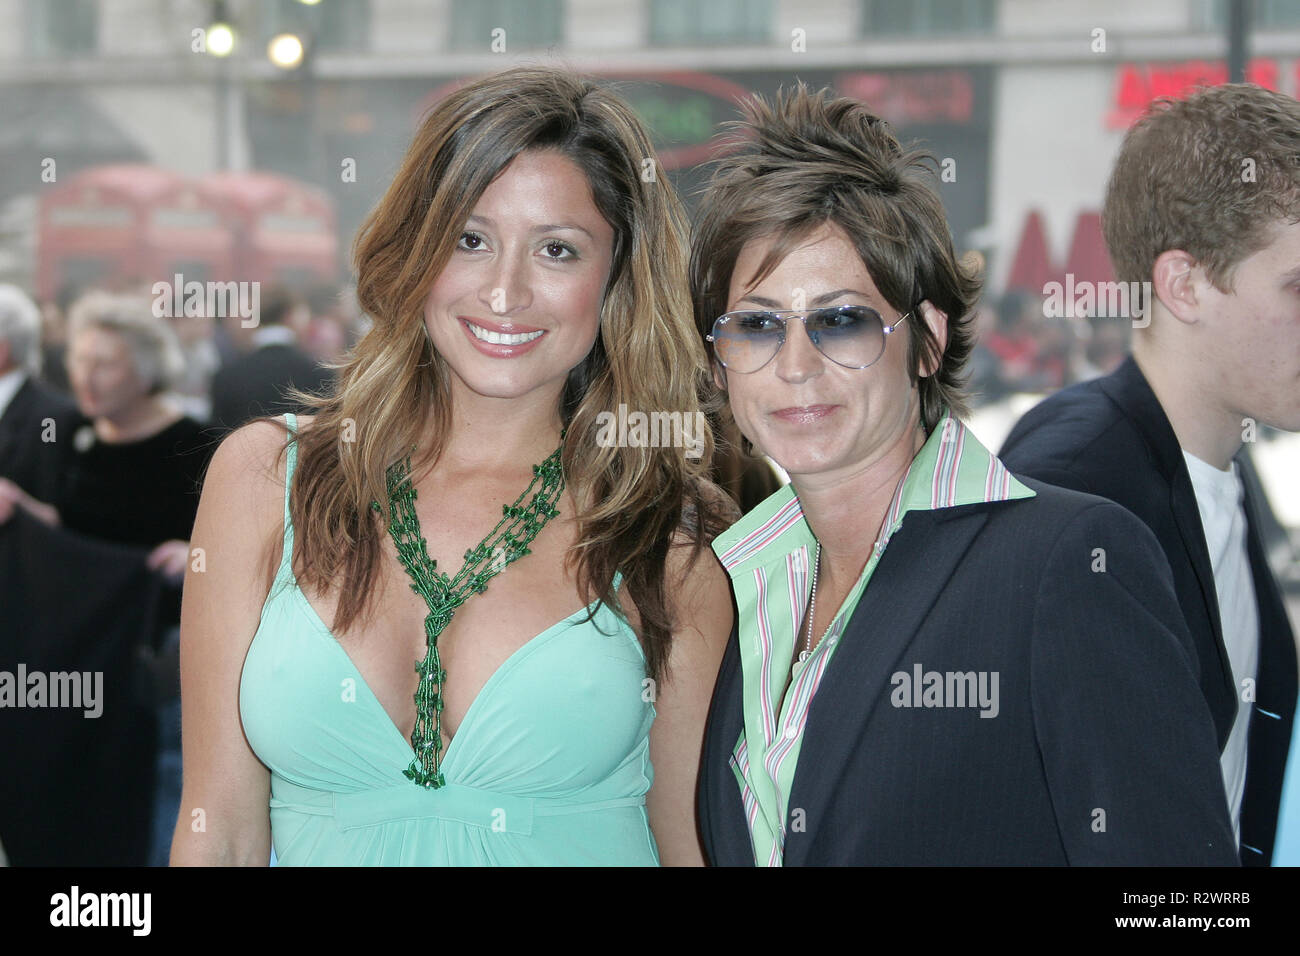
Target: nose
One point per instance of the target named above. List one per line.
(798, 359)
(506, 288)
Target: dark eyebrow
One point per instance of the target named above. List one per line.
(560, 226)
(546, 227)
(818, 301)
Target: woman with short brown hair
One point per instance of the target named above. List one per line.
(936, 662)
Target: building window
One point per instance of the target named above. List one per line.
(1264, 15)
(892, 18)
(61, 27)
(689, 23)
(335, 26)
(527, 24)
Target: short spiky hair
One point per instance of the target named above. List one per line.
(1210, 175)
(810, 159)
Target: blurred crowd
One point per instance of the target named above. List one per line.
(305, 330)
(1019, 349)
(109, 414)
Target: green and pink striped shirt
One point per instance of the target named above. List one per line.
(768, 554)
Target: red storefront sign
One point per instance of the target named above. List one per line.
(1137, 84)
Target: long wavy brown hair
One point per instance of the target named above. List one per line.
(392, 388)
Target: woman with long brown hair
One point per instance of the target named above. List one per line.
(523, 277)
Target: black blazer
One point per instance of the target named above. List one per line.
(83, 786)
(34, 465)
(253, 384)
(1102, 750)
(1110, 437)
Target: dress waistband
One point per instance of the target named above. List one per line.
(491, 810)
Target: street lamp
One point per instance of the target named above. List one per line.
(220, 43)
(221, 39)
(285, 51)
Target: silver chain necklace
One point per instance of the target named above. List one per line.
(812, 609)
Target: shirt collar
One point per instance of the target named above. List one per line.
(952, 469)
(274, 335)
(10, 382)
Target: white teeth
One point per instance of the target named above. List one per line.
(498, 338)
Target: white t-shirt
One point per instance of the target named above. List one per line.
(1219, 498)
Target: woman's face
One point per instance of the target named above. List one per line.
(518, 304)
(102, 374)
(810, 415)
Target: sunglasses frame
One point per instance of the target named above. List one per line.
(803, 314)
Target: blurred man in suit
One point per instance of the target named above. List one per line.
(33, 417)
(1203, 206)
(253, 383)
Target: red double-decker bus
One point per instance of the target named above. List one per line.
(91, 229)
(129, 226)
(285, 231)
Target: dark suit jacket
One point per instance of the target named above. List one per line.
(1110, 437)
(253, 384)
(1102, 750)
(35, 465)
(79, 789)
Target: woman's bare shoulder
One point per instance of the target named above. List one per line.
(242, 505)
(694, 572)
(251, 454)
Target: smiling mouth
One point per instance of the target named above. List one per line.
(502, 338)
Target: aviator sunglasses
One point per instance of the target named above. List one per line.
(849, 335)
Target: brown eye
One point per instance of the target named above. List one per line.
(470, 240)
(759, 322)
(559, 251)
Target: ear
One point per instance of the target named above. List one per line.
(719, 375)
(1177, 280)
(938, 324)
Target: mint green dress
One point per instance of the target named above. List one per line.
(550, 765)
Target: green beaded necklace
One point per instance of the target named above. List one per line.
(505, 543)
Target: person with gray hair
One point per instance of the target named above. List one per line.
(32, 415)
(132, 459)
(132, 467)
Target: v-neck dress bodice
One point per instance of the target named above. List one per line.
(550, 765)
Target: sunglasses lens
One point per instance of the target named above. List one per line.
(851, 335)
(746, 341)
